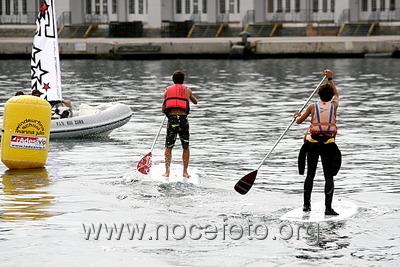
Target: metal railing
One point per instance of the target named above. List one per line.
(249, 17)
(96, 18)
(64, 19)
(30, 18)
(20, 18)
(304, 15)
(195, 17)
(384, 16)
(344, 17)
(223, 18)
(389, 15)
(393, 15)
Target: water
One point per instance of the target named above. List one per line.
(243, 108)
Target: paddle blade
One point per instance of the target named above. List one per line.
(145, 163)
(243, 185)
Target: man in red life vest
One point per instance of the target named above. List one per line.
(321, 142)
(176, 108)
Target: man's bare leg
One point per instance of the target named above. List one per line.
(185, 161)
(167, 157)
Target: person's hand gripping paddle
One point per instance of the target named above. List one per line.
(146, 162)
(244, 185)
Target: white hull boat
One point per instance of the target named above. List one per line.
(46, 79)
(91, 121)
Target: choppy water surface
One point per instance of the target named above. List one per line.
(243, 108)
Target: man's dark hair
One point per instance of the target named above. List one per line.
(326, 92)
(178, 77)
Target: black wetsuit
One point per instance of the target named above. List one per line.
(331, 161)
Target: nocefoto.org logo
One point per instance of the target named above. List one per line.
(223, 231)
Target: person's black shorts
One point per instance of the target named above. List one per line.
(177, 124)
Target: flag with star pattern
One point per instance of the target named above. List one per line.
(45, 61)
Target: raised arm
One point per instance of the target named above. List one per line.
(335, 98)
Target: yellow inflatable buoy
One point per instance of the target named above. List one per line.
(26, 132)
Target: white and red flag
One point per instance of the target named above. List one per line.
(45, 61)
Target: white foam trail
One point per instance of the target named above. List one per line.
(175, 175)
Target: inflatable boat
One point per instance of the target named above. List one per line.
(91, 121)
(46, 83)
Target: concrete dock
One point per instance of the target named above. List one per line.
(331, 46)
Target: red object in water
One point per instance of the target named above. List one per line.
(145, 163)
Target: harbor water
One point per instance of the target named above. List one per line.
(90, 207)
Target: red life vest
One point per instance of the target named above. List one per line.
(176, 98)
(324, 119)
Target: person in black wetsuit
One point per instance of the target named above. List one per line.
(321, 142)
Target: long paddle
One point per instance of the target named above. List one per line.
(145, 163)
(243, 185)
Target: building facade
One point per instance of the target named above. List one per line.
(152, 13)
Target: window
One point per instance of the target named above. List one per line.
(16, 7)
(1, 7)
(178, 6)
(383, 5)
(222, 9)
(364, 5)
(196, 6)
(392, 5)
(114, 7)
(187, 6)
(332, 6)
(373, 5)
(238, 6)
(141, 7)
(204, 6)
(24, 7)
(270, 8)
(279, 6)
(287, 6)
(97, 7)
(8, 7)
(131, 6)
(297, 6)
(105, 7)
(231, 6)
(88, 6)
(315, 6)
(324, 6)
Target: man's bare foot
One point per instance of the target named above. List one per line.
(166, 174)
(186, 175)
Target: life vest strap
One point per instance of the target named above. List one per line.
(180, 98)
(187, 109)
(323, 124)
